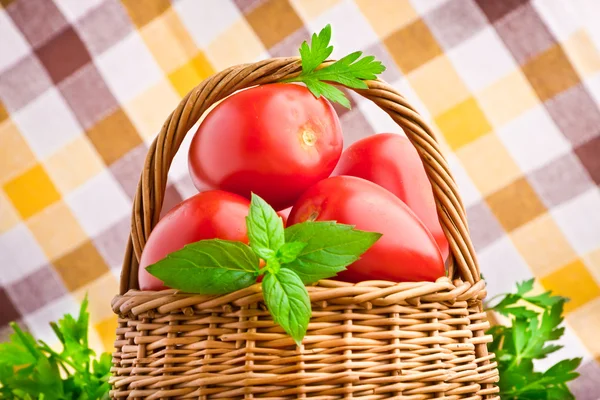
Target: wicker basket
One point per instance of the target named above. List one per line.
(371, 340)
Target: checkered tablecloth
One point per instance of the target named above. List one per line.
(511, 87)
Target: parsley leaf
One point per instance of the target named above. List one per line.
(535, 323)
(350, 71)
(30, 369)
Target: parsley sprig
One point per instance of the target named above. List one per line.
(31, 369)
(535, 321)
(294, 256)
(350, 71)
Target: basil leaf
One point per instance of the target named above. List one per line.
(288, 302)
(289, 251)
(265, 228)
(330, 248)
(208, 267)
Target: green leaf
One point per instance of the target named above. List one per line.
(208, 267)
(520, 335)
(330, 248)
(318, 51)
(288, 302)
(563, 371)
(330, 92)
(525, 287)
(15, 353)
(519, 312)
(530, 337)
(265, 228)
(350, 71)
(545, 300)
(290, 251)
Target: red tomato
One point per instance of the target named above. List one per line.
(274, 140)
(285, 214)
(392, 162)
(207, 215)
(405, 252)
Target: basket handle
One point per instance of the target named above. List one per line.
(151, 187)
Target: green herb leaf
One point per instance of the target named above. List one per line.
(290, 251)
(563, 371)
(208, 267)
(313, 55)
(530, 337)
(524, 287)
(33, 370)
(350, 71)
(330, 92)
(330, 248)
(19, 351)
(265, 228)
(288, 302)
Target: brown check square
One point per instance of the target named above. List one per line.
(37, 289)
(515, 204)
(63, 55)
(576, 114)
(88, 96)
(81, 266)
(550, 73)
(13, 92)
(561, 180)
(128, 167)
(38, 20)
(92, 26)
(524, 33)
(483, 225)
(589, 155)
(412, 46)
(142, 12)
(114, 136)
(455, 21)
(495, 9)
(9, 310)
(273, 21)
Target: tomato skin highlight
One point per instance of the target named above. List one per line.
(405, 252)
(392, 162)
(275, 140)
(207, 215)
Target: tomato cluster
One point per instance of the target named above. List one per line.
(285, 145)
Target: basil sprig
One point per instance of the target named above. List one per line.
(301, 254)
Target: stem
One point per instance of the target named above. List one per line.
(273, 266)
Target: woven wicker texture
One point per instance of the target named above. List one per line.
(372, 340)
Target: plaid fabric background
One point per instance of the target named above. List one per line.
(512, 88)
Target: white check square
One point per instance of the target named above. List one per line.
(533, 139)
(20, 254)
(351, 30)
(129, 68)
(47, 123)
(99, 203)
(469, 193)
(482, 59)
(206, 20)
(502, 266)
(579, 219)
(14, 46)
(75, 9)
